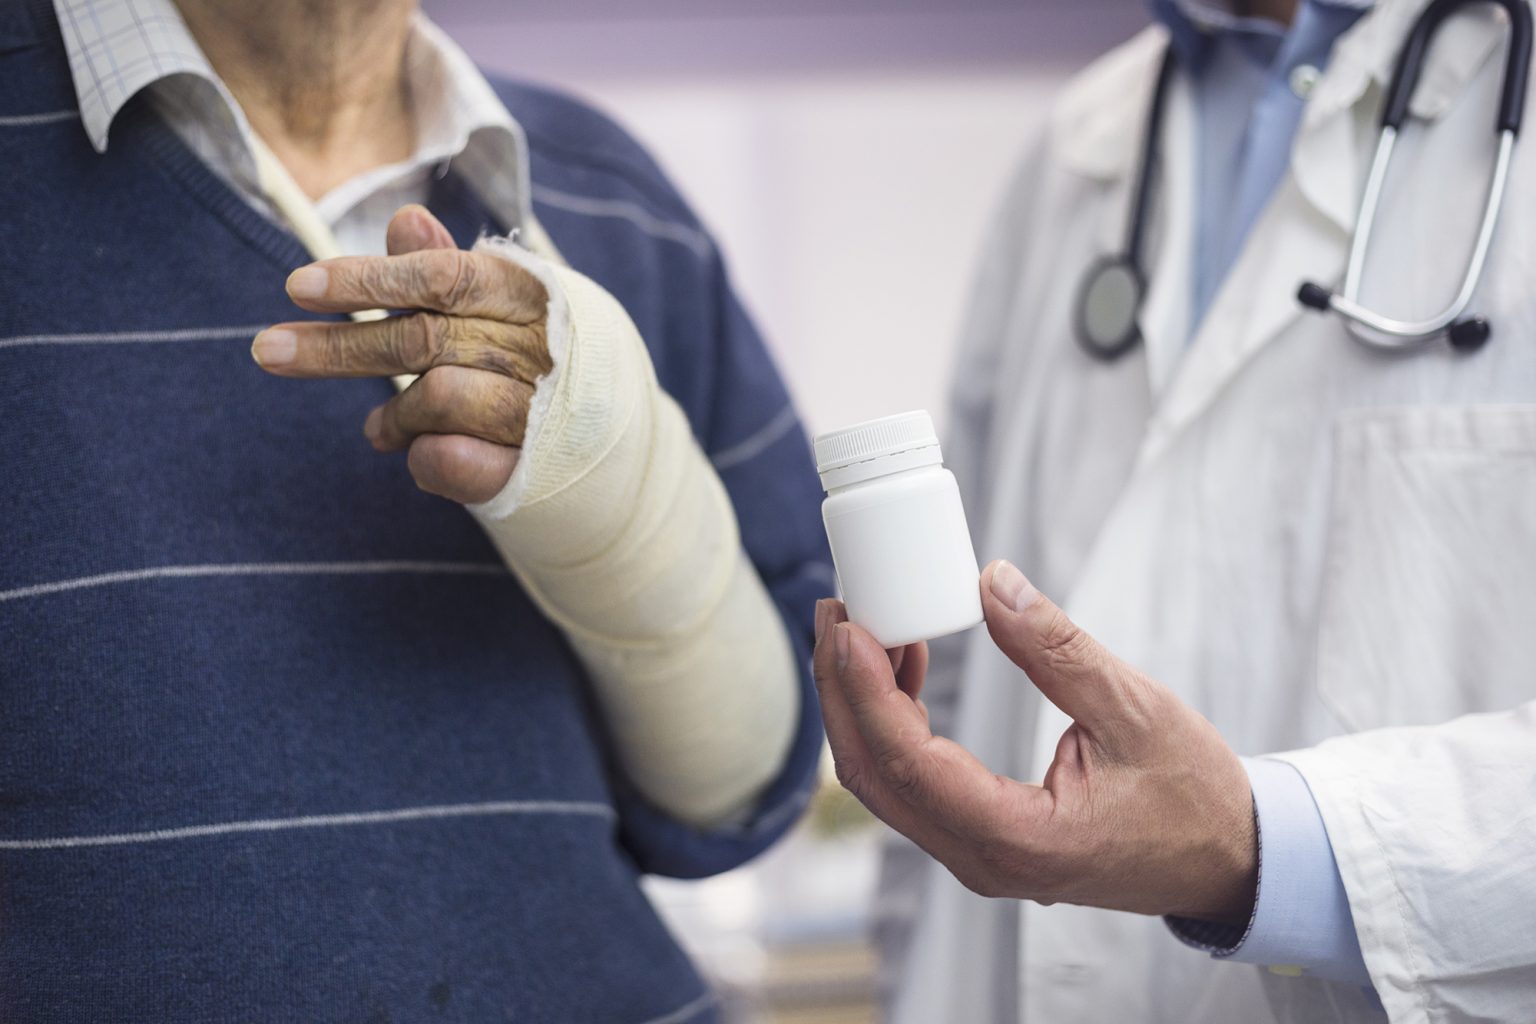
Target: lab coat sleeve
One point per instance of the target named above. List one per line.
(1434, 832)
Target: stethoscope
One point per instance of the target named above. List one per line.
(1110, 298)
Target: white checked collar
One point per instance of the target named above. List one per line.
(118, 48)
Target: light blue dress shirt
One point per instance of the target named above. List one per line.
(1250, 79)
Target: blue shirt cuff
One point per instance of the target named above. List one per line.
(1301, 922)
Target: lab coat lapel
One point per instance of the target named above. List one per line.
(1303, 234)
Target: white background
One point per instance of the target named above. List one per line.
(847, 154)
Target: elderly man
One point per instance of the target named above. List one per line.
(289, 737)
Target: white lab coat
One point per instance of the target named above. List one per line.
(1303, 538)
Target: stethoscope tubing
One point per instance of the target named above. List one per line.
(1346, 302)
(1374, 329)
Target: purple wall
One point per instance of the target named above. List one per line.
(573, 40)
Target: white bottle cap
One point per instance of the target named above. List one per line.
(877, 447)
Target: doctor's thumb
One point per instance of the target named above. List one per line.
(1072, 669)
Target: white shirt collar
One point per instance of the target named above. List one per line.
(118, 48)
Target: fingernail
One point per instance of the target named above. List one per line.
(1010, 587)
(840, 642)
(274, 347)
(371, 424)
(821, 619)
(308, 282)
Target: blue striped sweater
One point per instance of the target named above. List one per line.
(282, 739)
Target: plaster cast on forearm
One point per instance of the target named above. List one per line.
(618, 527)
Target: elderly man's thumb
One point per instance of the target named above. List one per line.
(1070, 667)
(413, 228)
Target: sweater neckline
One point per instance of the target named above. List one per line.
(142, 129)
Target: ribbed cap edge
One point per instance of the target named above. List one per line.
(874, 439)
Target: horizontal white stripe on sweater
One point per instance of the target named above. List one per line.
(28, 120)
(429, 813)
(765, 437)
(256, 569)
(637, 215)
(686, 1012)
(142, 337)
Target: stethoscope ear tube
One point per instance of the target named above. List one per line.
(1465, 333)
(1516, 69)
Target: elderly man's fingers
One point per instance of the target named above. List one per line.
(453, 400)
(941, 780)
(463, 469)
(447, 280)
(402, 344)
(413, 228)
(1077, 674)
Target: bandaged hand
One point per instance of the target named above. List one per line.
(1144, 808)
(476, 335)
(539, 409)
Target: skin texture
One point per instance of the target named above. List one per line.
(1143, 809)
(477, 338)
(322, 82)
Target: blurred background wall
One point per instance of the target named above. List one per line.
(847, 155)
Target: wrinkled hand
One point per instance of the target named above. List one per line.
(476, 337)
(1144, 807)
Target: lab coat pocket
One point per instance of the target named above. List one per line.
(1428, 604)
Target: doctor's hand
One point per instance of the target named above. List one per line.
(1144, 807)
(476, 335)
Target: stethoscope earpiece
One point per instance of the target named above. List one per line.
(1470, 334)
(1314, 296)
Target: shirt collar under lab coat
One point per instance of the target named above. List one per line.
(1194, 24)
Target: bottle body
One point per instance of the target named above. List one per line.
(903, 554)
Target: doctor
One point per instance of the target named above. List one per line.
(1269, 540)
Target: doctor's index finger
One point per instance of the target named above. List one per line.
(855, 767)
(450, 281)
(937, 777)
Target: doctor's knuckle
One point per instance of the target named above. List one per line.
(900, 770)
(977, 877)
(1062, 644)
(1143, 701)
(851, 775)
(998, 864)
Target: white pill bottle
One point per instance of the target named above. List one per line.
(903, 552)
